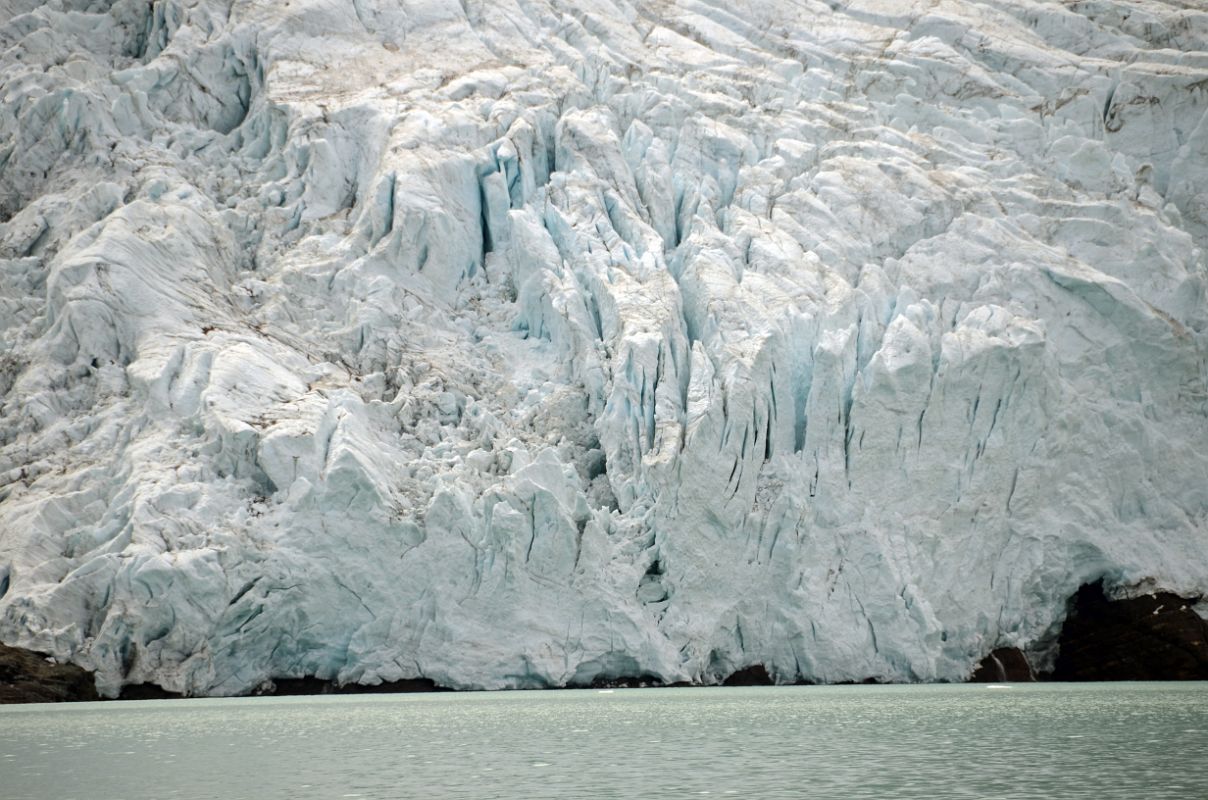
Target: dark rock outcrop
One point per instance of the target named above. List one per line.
(305, 686)
(1154, 637)
(28, 677)
(147, 691)
(627, 682)
(1003, 665)
(754, 675)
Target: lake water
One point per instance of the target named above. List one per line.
(1130, 740)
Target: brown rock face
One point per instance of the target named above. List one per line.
(146, 691)
(1004, 665)
(754, 675)
(305, 686)
(27, 677)
(1155, 637)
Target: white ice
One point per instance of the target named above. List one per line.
(532, 342)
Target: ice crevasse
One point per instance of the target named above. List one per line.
(549, 342)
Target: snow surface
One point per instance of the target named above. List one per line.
(532, 342)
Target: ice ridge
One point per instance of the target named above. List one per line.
(543, 342)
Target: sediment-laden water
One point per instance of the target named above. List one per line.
(1067, 741)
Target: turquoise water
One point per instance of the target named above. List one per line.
(1133, 740)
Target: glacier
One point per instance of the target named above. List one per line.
(550, 342)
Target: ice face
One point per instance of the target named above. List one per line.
(531, 343)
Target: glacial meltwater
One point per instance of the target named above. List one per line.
(1123, 740)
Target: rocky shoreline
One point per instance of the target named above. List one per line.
(29, 677)
(1155, 636)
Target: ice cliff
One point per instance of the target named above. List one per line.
(543, 342)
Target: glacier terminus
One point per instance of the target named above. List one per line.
(535, 343)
